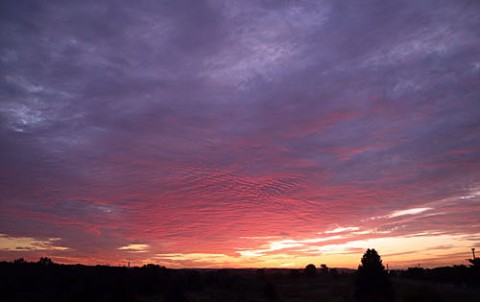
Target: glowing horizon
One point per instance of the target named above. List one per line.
(248, 134)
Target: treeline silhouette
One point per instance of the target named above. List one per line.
(45, 280)
(456, 275)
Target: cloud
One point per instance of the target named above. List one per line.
(342, 229)
(11, 243)
(286, 244)
(412, 211)
(206, 127)
(135, 248)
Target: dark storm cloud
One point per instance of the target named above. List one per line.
(144, 123)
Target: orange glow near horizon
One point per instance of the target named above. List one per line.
(345, 250)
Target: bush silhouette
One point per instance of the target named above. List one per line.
(19, 261)
(310, 271)
(372, 282)
(324, 269)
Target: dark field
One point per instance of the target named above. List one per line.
(52, 282)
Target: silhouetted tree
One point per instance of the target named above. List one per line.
(474, 268)
(474, 263)
(324, 269)
(19, 261)
(372, 282)
(310, 270)
(45, 261)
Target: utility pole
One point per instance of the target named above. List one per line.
(473, 253)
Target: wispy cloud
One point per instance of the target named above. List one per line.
(342, 229)
(413, 211)
(135, 247)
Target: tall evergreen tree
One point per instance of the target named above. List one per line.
(372, 282)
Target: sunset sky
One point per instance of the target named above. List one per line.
(253, 133)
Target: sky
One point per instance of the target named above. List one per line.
(253, 133)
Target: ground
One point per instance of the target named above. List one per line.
(35, 282)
